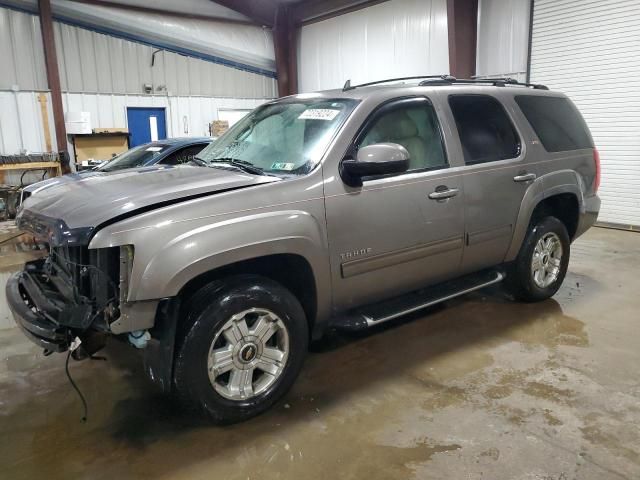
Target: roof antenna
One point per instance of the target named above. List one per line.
(347, 86)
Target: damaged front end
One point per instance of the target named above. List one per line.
(75, 292)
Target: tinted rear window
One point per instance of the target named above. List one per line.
(556, 121)
(486, 132)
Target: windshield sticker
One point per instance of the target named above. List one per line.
(154, 149)
(318, 114)
(283, 166)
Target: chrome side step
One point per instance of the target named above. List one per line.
(384, 311)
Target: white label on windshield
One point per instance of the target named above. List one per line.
(319, 114)
(154, 149)
(283, 166)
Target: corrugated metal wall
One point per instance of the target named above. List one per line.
(21, 125)
(103, 75)
(187, 116)
(503, 38)
(393, 39)
(591, 54)
(96, 63)
(21, 53)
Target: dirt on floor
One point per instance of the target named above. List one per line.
(481, 388)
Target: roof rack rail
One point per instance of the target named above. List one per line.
(348, 86)
(433, 80)
(497, 82)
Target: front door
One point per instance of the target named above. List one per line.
(388, 236)
(146, 125)
(496, 177)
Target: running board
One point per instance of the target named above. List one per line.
(384, 311)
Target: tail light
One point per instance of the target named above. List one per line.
(596, 160)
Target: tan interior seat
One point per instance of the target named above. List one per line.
(398, 127)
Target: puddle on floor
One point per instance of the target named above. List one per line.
(472, 382)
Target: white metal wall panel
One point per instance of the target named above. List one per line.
(92, 62)
(21, 126)
(21, 129)
(392, 39)
(22, 63)
(248, 45)
(187, 116)
(503, 38)
(589, 50)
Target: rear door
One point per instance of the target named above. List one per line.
(496, 176)
(388, 236)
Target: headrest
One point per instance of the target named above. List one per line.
(396, 126)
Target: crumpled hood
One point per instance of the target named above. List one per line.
(91, 200)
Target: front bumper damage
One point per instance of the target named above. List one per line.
(52, 321)
(45, 315)
(42, 331)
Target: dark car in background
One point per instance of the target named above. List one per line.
(171, 151)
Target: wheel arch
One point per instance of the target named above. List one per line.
(558, 194)
(292, 271)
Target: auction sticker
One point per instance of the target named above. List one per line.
(283, 166)
(319, 114)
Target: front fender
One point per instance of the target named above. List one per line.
(168, 255)
(222, 243)
(554, 183)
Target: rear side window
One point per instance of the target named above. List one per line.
(486, 132)
(556, 121)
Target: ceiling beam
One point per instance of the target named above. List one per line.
(262, 12)
(153, 10)
(311, 11)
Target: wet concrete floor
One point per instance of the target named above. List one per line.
(482, 389)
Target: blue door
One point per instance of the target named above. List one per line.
(146, 125)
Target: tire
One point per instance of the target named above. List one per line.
(528, 283)
(216, 314)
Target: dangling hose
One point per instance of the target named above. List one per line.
(75, 387)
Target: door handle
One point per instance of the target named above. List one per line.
(443, 194)
(524, 177)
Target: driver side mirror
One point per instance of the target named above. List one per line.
(376, 159)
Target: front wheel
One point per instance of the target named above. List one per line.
(542, 262)
(244, 342)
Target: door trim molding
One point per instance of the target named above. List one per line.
(359, 266)
(474, 238)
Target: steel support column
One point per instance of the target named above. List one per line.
(53, 79)
(285, 44)
(462, 21)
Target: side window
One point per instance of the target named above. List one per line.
(486, 132)
(184, 155)
(413, 124)
(556, 121)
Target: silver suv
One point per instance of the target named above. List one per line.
(341, 209)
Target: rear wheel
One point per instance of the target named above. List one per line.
(244, 343)
(542, 262)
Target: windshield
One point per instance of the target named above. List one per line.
(137, 156)
(284, 138)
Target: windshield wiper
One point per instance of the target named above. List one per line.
(199, 161)
(240, 164)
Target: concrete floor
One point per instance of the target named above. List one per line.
(484, 388)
